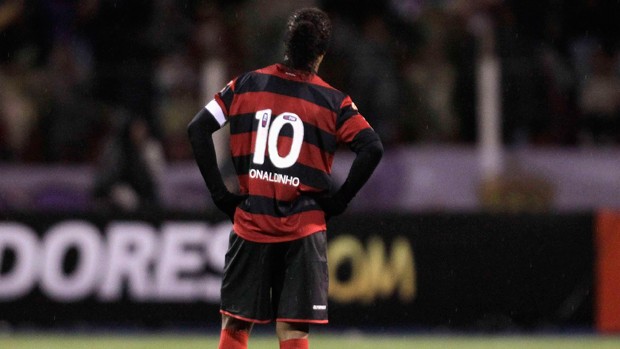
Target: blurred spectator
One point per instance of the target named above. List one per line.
(261, 31)
(523, 87)
(599, 100)
(125, 52)
(463, 47)
(130, 169)
(11, 30)
(176, 105)
(71, 119)
(5, 149)
(17, 118)
(432, 79)
(362, 61)
(175, 76)
(560, 84)
(374, 81)
(201, 59)
(409, 64)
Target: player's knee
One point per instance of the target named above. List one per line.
(231, 323)
(292, 330)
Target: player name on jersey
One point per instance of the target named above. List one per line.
(274, 177)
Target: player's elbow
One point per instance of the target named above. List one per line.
(372, 146)
(375, 150)
(192, 128)
(202, 124)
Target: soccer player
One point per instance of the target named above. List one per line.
(285, 126)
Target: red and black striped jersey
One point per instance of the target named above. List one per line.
(285, 127)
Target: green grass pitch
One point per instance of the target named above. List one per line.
(318, 341)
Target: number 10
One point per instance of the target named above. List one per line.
(267, 134)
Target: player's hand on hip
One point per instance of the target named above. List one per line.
(332, 205)
(228, 203)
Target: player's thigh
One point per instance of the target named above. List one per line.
(304, 290)
(246, 285)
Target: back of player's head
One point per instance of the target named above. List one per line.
(307, 37)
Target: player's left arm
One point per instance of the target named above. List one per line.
(365, 142)
(369, 151)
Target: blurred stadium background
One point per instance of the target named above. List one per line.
(496, 209)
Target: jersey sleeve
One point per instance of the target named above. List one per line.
(349, 122)
(219, 106)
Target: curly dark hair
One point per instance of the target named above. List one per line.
(307, 38)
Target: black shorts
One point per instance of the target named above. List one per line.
(285, 280)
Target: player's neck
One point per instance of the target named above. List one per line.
(317, 64)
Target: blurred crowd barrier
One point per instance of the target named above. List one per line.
(409, 179)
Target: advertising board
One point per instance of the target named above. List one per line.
(466, 271)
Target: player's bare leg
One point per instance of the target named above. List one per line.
(292, 335)
(235, 333)
(231, 323)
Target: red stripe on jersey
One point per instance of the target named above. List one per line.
(310, 154)
(310, 113)
(243, 144)
(284, 72)
(284, 145)
(264, 228)
(315, 157)
(243, 183)
(352, 127)
(222, 105)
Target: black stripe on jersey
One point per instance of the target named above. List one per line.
(264, 205)
(227, 94)
(322, 96)
(325, 141)
(242, 123)
(307, 175)
(347, 113)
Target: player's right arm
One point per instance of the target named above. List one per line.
(200, 131)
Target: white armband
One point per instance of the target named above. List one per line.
(214, 108)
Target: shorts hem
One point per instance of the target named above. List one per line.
(311, 321)
(224, 312)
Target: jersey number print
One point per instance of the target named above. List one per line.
(267, 135)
